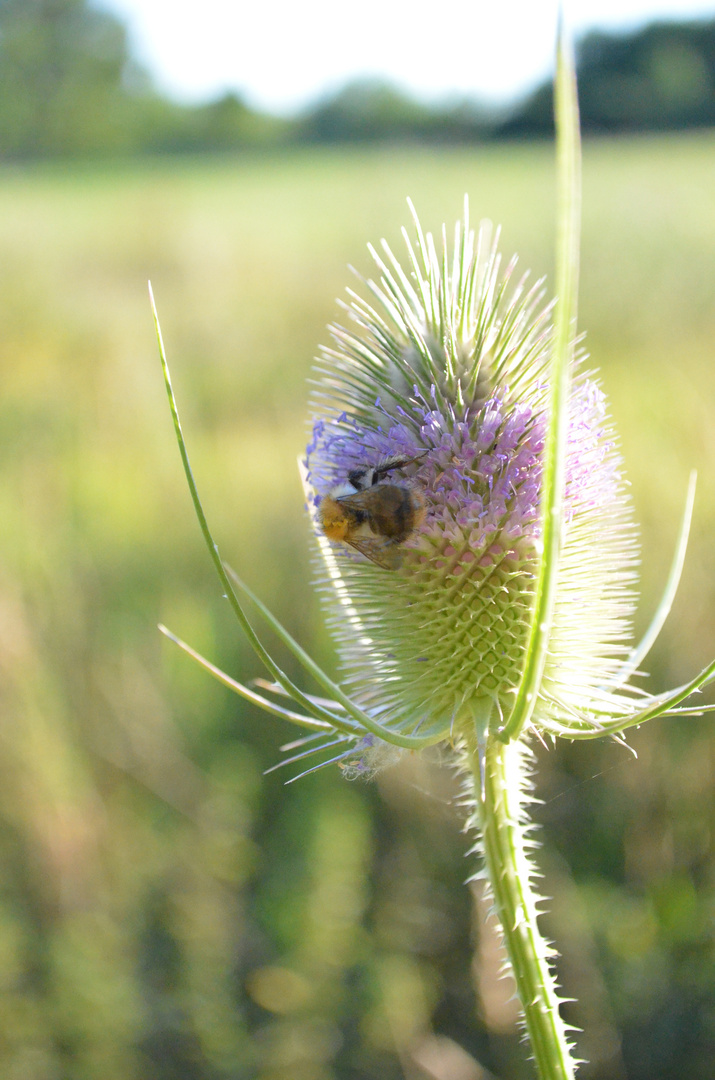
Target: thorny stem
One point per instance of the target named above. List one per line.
(498, 779)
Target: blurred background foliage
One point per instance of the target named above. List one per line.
(70, 87)
(167, 911)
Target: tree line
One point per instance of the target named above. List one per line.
(69, 86)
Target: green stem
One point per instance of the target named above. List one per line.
(499, 790)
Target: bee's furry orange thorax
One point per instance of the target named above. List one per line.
(333, 519)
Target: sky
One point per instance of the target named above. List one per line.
(282, 55)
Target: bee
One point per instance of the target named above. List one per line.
(371, 516)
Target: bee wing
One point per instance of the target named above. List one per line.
(359, 500)
(368, 499)
(382, 552)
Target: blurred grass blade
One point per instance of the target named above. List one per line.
(568, 158)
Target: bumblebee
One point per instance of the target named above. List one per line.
(373, 517)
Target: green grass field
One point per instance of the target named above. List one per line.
(165, 910)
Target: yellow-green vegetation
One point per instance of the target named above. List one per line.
(165, 910)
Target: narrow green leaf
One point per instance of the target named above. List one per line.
(245, 691)
(568, 157)
(658, 705)
(293, 691)
(671, 587)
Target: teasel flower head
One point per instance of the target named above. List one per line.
(447, 367)
(443, 366)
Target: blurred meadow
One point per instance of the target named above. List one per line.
(169, 912)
